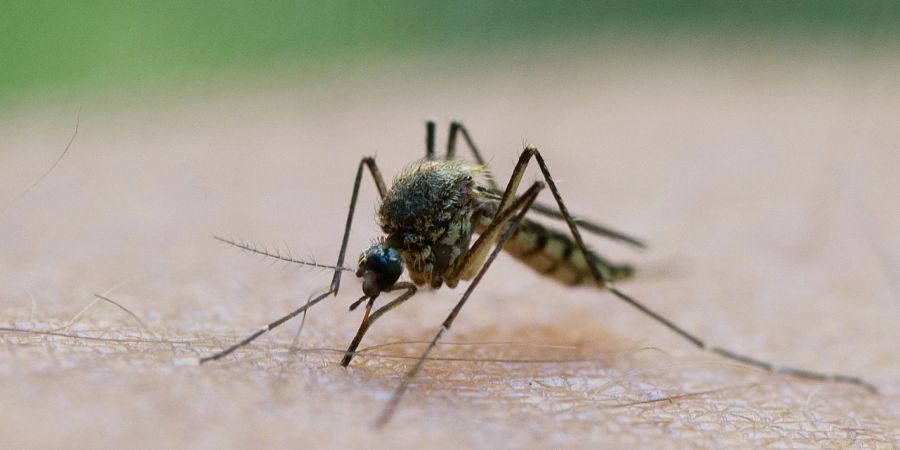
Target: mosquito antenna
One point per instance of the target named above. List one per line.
(250, 248)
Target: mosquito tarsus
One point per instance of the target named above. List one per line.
(430, 215)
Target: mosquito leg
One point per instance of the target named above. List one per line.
(583, 224)
(502, 220)
(363, 327)
(266, 328)
(505, 220)
(457, 128)
(368, 162)
(429, 139)
(475, 256)
(591, 227)
(699, 343)
(368, 319)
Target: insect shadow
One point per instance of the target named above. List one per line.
(430, 216)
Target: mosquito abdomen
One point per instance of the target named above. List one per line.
(556, 255)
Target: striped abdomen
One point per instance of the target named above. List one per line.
(556, 255)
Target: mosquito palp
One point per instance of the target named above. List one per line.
(431, 216)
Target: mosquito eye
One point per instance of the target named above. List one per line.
(378, 263)
(386, 263)
(382, 261)
(392, 268)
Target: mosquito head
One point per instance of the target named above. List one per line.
(379, 266)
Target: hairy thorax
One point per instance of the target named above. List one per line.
(428, 216)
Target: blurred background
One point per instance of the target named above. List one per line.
(55, 50)
(754, 145)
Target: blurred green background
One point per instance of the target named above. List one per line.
(56, 48)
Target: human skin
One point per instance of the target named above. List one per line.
(768, 201)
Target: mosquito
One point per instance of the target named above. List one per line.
(430, 216)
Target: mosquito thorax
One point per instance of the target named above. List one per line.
(379, 266)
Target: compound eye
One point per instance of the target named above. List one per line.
(380, 267)
(385, 262)
(391, 268)
(377, 263)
